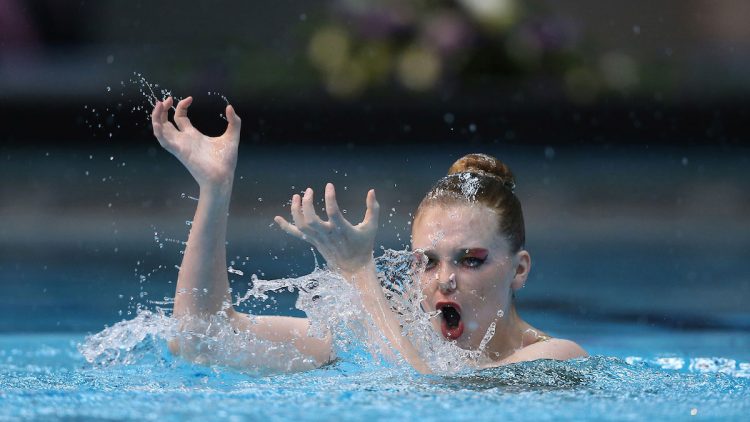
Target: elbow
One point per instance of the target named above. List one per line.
(190, 351)
(186, 342)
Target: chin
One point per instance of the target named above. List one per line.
(466, 344)
(467, 340)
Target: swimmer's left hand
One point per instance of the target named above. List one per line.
(345, 247)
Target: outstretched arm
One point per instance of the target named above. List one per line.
(202, 282)
(348, 250)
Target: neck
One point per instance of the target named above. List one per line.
(509, 336)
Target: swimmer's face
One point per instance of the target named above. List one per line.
(469, 271)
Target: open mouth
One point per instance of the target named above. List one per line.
(451, 325)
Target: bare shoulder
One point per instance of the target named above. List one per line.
(554, 348)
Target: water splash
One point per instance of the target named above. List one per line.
(151, 92)
(398, 272)
(469, 186)
(128, 341)
(135, 95)
(333, 308)
(186, 196)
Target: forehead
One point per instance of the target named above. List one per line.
(456, 226)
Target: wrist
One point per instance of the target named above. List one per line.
(216, 189)
(363, 277)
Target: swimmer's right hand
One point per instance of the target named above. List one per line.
(345, 247)
(210, 160)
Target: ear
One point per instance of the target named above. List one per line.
(522, 261)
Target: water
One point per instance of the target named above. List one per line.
(44, 376)
(636, 372)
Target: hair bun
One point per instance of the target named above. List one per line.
(485, 165)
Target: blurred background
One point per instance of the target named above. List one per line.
(626, 125)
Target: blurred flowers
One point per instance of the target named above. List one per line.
(494, 15)
(421, 45)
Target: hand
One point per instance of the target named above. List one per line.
(346, 248)
(210, 160)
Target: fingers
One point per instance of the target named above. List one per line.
(163, 130)
(332, 206)
(180, 114)
(288, 227)
(373, 211)
(233, 129)
(155, 122)
(167, 104)
(297, 217)
(301, 218)
(308, 211)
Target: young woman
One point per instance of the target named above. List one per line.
(468, 230)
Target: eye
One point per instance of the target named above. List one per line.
(430, 264)
(471, 261)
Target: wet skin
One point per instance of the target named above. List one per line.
(462, 242)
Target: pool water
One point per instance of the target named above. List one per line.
(636, 372)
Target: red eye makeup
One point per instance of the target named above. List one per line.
(478, 253)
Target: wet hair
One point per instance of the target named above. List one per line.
(480, 178)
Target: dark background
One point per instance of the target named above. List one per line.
(626, 125)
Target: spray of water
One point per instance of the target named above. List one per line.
(333, 307)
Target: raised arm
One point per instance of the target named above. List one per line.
(348, 249)
(202, 282)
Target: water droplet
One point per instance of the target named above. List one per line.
(549, 153)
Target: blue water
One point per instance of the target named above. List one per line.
(638, 371)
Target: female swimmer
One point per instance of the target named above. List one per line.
(468, 231)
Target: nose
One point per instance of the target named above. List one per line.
(446, 285)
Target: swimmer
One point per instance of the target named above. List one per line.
(469, 233)
(468, 236)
